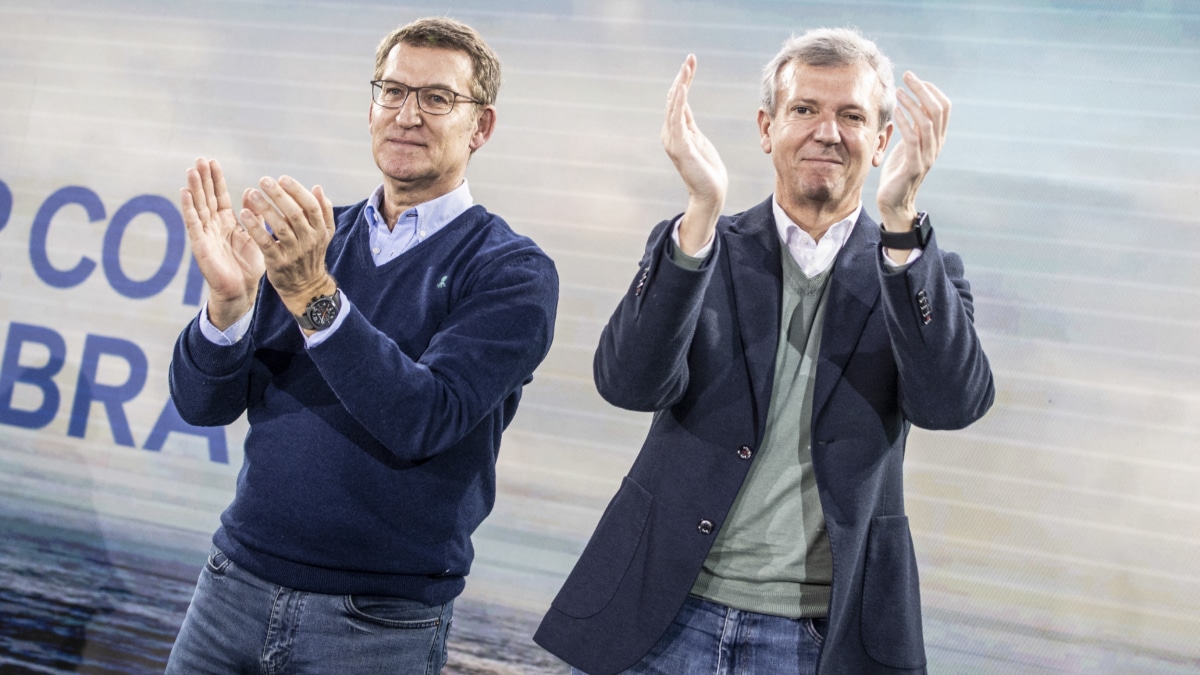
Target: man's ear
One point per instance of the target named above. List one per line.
(764, 130)
(884, 137)
(485, 124)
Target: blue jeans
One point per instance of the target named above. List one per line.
(711, 639)
(238, 623)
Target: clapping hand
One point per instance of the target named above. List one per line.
(229, 258)
(922, 119)
(697, 161)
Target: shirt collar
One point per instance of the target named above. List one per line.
(789, 231)
(433, 214)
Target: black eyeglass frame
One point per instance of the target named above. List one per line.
(377, 88)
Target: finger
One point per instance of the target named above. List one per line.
(326, 208)
(219, 187)
(676, 98)
(264, 214)
(256, 227)
(309, 204)
(920, 128)
(285, 203)
(191, 219)
(195, 190)
(945, 103)
(206, 181)
(930, 103)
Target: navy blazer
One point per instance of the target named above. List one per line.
(697, 348)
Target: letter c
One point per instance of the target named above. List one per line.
(53, 276)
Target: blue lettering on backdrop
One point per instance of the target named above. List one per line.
(169, 420)
(112, 396)
(111, 254)
(195, 284)
(111, 257)
(12, 372)
(48, 273)
(5, 204)
(87, 391)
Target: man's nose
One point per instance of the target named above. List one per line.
(827, 131)
(408, 114)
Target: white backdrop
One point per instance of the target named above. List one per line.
(1060, 534)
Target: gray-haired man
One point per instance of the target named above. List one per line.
(784, 351)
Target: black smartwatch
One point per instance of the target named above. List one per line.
(917, 237)
(321, 311)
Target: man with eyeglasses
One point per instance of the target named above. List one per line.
(378, 365)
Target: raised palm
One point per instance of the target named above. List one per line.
(231, 262)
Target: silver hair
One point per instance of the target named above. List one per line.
(832, 47)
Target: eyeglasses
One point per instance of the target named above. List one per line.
(432, 100)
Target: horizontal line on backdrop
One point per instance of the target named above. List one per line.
(1084, 600)
(1080, 243)
(723, 26)
(1136, 460)
(1096, 313)
(1079, 278)
(991, 337)
(589, 414)
(1066, 488)
(1050, 518)
(554, 438)
(1136, 570)
(946, 6)
(1123, 389)
(1098, 419)
(1070, 143)
(1043, 207)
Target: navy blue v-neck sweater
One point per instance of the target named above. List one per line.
(371, 457)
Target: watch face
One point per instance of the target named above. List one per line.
(322, 312)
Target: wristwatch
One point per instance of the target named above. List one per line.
(917, 237)
(321, 311)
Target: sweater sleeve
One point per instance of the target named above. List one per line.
(484, 350)
(209, 382)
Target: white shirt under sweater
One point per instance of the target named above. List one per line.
(412, 227)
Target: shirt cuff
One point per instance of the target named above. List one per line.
(228, 337)
(691, 262)
(913, 256)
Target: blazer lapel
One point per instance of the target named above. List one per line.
(756, 277)
(853, 291)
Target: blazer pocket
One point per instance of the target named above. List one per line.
(594, 581)
(891, 601)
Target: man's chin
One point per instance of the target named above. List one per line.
(817, 192)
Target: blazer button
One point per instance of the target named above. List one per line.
(705, 527)
(745, 452)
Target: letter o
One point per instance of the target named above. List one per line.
(176, 240)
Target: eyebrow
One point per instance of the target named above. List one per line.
(413, 86)
(813, 102)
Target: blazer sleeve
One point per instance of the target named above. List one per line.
(641, 361)
(945, 381)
